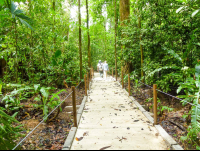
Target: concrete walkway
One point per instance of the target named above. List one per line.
(111, 121)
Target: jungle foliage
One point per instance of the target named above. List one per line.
(40, 47)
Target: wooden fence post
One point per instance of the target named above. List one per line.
(91, 74)
(155, 103)
(85, 85)
(88, 81)
(112, 72)
(116, 74)
(122, 78)
(129, 85)
(74, 106)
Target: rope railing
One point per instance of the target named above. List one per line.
(170, 95)
(47, 117)
(89, 78)
(41, 122)
(154, 94)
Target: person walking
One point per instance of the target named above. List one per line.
(105, 69)
(100, 68)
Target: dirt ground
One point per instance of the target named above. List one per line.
(49, 135)
(171, 121)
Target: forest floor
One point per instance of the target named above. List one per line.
(172, 121)
(51, 135)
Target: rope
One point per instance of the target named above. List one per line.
(45, 118)
(41, 121)
(170, 95)
(78, 85)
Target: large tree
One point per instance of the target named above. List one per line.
(88, 35)
(124, 17)
(80, 43)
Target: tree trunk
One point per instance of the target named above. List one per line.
(124, 15)
(105, 41)
(141, 51)
(88, 34)
(31, 44)
(54, 39)
(80, 44)
(16, 61)
(115, 40)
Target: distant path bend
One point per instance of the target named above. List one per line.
(111, 121)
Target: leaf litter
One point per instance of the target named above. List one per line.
(48, 136)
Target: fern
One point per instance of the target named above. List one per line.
(195, 117)
(192, 90)
(159, 69)
(174, 54)
(8, 132)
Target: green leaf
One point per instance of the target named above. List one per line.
(174, 54)
(3, 114)
(183, 138)
(44, 92)
(13, 7)
(26, 24)
(179, 9)
(36, 86)
(197, 71)
(18, 11)
(179, 89)
(22, 16)
(58, 53)
(195, 12)
(197, 147)
(2, 2)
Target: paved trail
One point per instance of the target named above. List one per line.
(111, 120)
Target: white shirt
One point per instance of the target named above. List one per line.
(99, 64)
(105, 67)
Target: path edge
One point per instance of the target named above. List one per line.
(168, 139)
(68, 142)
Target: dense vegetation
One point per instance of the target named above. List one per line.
(157, 41)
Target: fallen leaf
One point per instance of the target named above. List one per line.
(105, 147)
(79, 139)
(85, 133)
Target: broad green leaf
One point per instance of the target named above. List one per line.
(26, 24)
(3, 114)
(195, 12)
(197, 71)
(179, 9)
(44, 92)
(36, 86)
(58, 53)
(18, 11)
(179, 89)
(197, 147)
(174, 54)
(13, 7)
